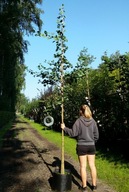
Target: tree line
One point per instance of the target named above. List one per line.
(17, 19)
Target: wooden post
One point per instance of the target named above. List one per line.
(62, 121)
(62, 103)
(87, 82)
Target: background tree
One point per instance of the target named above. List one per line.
(17, 18)
(110, 99)
(77, 85)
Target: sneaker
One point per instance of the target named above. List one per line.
(84, 189)
(94, 188)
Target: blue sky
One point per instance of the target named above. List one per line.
(98, 25)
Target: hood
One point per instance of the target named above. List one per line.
(86, 121)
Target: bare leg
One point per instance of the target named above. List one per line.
(91, 162)
(83, 164)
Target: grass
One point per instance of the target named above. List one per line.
(110, 168)
(115, 173)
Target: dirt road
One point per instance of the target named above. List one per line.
(27, 162)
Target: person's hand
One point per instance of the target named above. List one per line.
(62, 125)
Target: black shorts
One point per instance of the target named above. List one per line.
(85, 150)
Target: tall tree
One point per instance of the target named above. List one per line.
(16, 19)
(54, 75)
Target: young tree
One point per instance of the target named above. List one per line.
(54, 75)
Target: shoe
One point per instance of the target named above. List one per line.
(94, 188)
(84, 189)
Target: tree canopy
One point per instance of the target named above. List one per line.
(17, 18)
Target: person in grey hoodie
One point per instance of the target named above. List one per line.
(86, 131)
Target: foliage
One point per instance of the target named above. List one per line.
(110, 100)
(32, 109)
(22, 103)
(109, 96)
(16, 19)
(77, 86)
(51, 75)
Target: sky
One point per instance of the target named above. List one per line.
(98, 25)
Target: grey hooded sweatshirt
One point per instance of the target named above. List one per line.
(85, 130)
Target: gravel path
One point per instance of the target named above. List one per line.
(28, 161)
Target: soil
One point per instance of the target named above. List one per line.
(28, 161)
